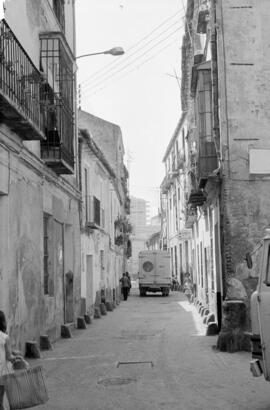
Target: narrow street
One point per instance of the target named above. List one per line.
(149, 353)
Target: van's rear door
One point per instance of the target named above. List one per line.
(147, 267)
(264, 307)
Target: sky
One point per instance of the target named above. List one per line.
(140, 90)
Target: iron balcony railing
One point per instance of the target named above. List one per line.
(19, 87)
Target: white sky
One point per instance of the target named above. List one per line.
(137, 91)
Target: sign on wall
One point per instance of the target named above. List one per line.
(259, 161)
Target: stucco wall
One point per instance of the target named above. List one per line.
(33, 190)
(36, 16)
(95, 278)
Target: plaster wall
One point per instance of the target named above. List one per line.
(37, 16)
(104, 277)
(108, 137)
(31, 191)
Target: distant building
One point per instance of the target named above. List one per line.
(143, 228)
(139, 212)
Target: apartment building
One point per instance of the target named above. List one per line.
(39, 191)
(226, 168)
(105, 227)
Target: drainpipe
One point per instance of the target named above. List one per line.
(214, 75)
(80, 142)
(216, 136)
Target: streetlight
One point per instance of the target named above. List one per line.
(115, 51)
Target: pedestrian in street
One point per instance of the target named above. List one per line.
(127, 275)
(124, 286)
(188, 287)
(6, 357)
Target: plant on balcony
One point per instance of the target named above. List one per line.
(119, 240)
(123, 225)
(123, 229)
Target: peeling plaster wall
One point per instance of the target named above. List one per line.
(244, 88)
(32, 190)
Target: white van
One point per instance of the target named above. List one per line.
(155, 272)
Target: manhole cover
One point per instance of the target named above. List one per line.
(116, 381)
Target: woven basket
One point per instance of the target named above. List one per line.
(25, 388)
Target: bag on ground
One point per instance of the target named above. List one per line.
(25, 388)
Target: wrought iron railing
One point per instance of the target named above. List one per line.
(19, 78)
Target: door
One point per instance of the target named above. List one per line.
(69, 313)
(147, 267)
(59, 269)
(264, 307)
(89, 281)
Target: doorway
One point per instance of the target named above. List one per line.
(89, 281)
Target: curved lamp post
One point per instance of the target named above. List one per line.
(115, 51)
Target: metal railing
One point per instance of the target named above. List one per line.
(19, 78)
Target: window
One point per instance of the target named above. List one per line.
(87, 202)
(59, 10)
(212, 264)
(102, 264)
(102, 218)
(96, 203)
(46, 253)
(175, 259)
(201, 267)
(186, 256)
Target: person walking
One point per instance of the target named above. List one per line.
(124, 285)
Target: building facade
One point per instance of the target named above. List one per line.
(39, 190)
(176, 237)
(226, 168)
(105, 205)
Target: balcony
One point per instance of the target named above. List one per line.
(57, 102)
(191, 216)
(127, 205)
(166, 183)
(207, 162)
(57, 149)
(196, 198)
(203, 16)
(180, 162)
(19, 88)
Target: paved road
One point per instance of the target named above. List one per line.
(150, 353)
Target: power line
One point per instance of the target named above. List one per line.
(88, 93)
(136, 52)
(105, 79)
(117, 62)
